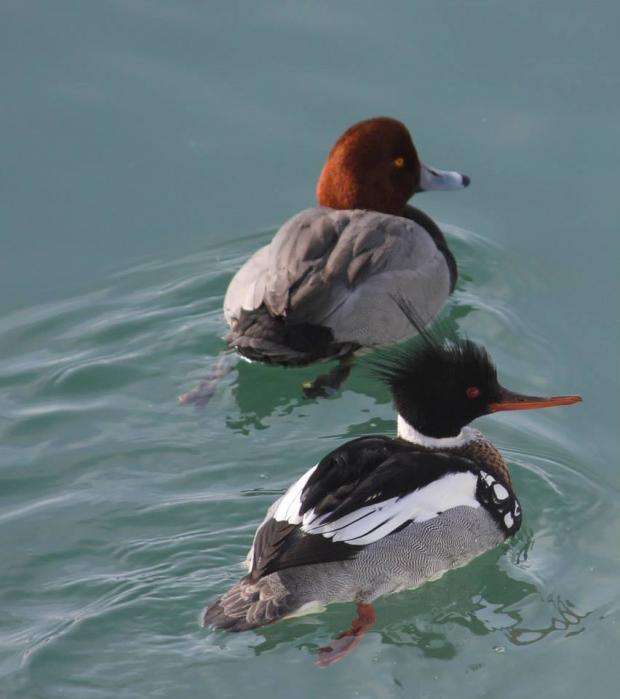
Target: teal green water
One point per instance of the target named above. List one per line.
(147, 149)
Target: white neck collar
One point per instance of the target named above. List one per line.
(406, 431)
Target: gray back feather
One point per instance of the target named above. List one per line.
(342, 269)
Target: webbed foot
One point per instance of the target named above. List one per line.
(326, 385)
(201, 394)
(344, 643)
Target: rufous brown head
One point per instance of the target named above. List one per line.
(374, 165)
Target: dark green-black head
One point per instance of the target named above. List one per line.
(439, 388)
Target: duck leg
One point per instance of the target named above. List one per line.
(201, 394)
(327, 384)
(347, 640)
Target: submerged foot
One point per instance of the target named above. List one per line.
(344, 643)
(326, 385)
(201, 394)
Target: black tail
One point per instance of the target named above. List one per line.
(261, 336)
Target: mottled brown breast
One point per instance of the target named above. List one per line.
(487, 457)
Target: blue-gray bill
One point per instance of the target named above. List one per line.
(445, 180)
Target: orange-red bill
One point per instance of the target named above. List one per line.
(515, 401)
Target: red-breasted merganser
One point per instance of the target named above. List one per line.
(324, 286)
(379, 515)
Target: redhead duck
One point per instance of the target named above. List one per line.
(324, 286)
(379, 515)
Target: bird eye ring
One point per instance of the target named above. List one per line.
(472, 392)
(399, 162)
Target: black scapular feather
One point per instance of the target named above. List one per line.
(364, 471)
(373, 469)
(280, 545)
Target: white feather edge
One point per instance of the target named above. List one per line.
(290, 503)
(286, 509)
(372, 522)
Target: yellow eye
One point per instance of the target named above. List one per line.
(399, 162)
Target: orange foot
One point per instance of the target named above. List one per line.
(344, 643)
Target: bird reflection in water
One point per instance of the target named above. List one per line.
(484, 599)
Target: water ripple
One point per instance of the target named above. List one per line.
(130, 512)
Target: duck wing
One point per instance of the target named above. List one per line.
(361, 493)
(246, 291)
(341, 269)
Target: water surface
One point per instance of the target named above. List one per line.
(148, 149)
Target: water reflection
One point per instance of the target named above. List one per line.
(480, 598)
(564, 617)
(263, 391)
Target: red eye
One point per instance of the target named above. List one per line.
(472, 392)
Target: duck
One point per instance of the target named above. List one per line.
(323, 287)
(382, 514)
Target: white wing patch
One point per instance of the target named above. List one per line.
(500, 492)
(372, 522)
(290, 503)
